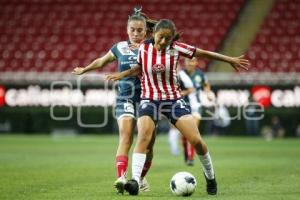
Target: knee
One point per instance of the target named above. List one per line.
(125, 138)
(195, 140)
(144, 136)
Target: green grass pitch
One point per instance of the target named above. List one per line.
(82, 167)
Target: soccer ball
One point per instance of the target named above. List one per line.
(183, 184)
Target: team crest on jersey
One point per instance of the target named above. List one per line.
(158, 68)
(125, 50)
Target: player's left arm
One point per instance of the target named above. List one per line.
(237, 63)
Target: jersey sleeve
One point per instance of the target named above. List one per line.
(203, 77)
(184, 49)
(114, 50)
(186, 80)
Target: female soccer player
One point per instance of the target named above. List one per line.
(187, 93)
(199, 82)
(128, 94)
(157, 62)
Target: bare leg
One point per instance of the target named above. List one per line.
(146, 128)
(187, 126)
(126, 127)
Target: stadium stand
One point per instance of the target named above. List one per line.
(276, 46)
(57, 35)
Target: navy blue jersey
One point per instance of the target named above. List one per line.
(186, 82)
(127, 58)
(199, 80)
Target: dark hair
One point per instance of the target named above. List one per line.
(150, 23)
(167, 24)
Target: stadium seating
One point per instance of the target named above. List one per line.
(276, 46)
(57, 35)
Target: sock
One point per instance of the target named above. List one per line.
(173, 140)
(207, 166)
(184, 145)
(190, 151)
(146, 168)
(121, 164)
(138, 162)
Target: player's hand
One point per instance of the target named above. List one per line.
(240, 63)
(78, 70)
(114, 77)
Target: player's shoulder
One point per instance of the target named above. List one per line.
(183, 47)
(122, 49)
(145, 44)
(121, 44)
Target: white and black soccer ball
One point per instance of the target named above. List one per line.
(183, 184)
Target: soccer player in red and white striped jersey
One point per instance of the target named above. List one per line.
(159, 80)
(157, 63)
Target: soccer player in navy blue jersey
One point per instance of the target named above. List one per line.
(129, 91)
(157, 64)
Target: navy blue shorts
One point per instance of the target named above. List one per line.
(127, 106)
(172, 109)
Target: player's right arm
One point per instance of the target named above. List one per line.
(96, 64)
(134, 71)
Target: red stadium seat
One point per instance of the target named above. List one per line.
(59, 35)
(277, 44)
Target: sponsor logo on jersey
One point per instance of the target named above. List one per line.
(125, 50)
(132, 58)
(158, 68)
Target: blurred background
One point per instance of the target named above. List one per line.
(42, 41)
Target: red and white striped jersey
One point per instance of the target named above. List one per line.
(159, 70)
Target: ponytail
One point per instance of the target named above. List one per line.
(150, 23)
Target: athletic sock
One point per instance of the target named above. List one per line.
(184, 146)
(190, 151)
(173, 140)
(146, 168)
(207, 166)
(138, 162)
(121, 164)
